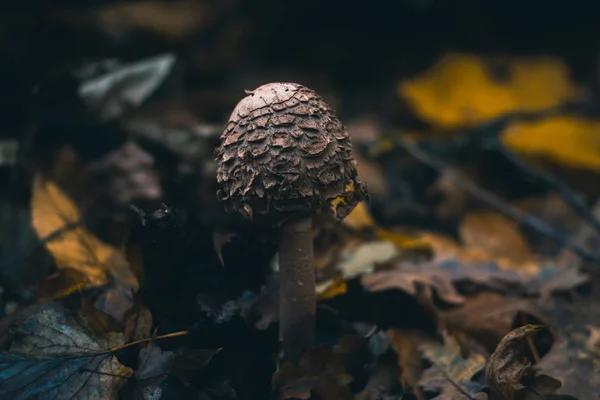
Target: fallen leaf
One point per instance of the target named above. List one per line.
(154, 366)
(138, 323)
(460, 89)
(494, 235)
(449, 369)
(405, 344)
(220, 240)
(52, 357)
(187, 366)
(360, 217)
(509, 371)
(567, 140)
(124, 175)
(99, 322)
(574, 358)
(320, 370)
(364, 258)
(75, 248)
(413, 280)
(485, 316)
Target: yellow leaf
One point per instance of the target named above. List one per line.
(75, 248)
(460, 89)
(360, 217)
(568, 140)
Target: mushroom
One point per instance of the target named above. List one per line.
(285, 157)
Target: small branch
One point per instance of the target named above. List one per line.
(123, 346)
(456, 385)
(563, 190)
(494, 201)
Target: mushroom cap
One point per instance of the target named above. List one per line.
(285, 154)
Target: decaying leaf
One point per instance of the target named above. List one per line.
(495, 236)
(154, 365)
(52, 357)
(414, 281)
(509, 372)
(138, 323)
(450, 370)
(574, 358)
(125, 174)
(460, 89)
(320, 370)
(76, 248)
(485, 316)
(405, 345)
(220, 240)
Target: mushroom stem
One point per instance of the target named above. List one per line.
(297, 293)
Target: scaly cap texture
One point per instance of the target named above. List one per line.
(284, 153)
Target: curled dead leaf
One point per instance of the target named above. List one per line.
(509, 372)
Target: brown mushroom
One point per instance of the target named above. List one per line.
(283, 158)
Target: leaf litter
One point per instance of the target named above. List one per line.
(433, 288)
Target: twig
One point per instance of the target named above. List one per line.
(494, 201)
(563, 190)
(123, 346)
(456, 385)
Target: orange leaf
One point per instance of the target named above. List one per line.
(75, 248)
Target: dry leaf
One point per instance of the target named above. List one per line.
(52, 357)
(405, 344)
(320, 370)
(460, 89)
(75, 248)
(154, 365)
(494, 235)
(486, 317)
(572, 141)
(509, 371)
(450, 369)
(360, 217)
(138, 323)
(574, 358)
(414, 281)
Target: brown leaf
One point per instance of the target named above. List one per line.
(509, 371)
(97, 320)
(573, 357)
(450, 370)
(75, 248)
(405, 344)
(138, 323)
(413, 279)
(494, 235)
(320, 370)
(486, 317)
